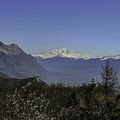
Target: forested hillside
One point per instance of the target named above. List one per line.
(33, 99)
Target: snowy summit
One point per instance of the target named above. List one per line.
(64, 52)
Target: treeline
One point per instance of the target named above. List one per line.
(32, 99)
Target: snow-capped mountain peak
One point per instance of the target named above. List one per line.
(64, 52)
(117, 57)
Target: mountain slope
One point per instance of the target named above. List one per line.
(77, 71)
(9, 85)
(14, 62)
(2, 75)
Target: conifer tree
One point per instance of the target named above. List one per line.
(110, 82)
(110, 87)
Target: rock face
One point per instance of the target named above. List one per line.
(14, 62)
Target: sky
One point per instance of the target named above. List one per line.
(87, 26)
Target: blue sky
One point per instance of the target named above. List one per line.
(87, 26)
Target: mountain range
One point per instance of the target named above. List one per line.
(66, 53)
(15, 63)
(75, 67)
(59, 66)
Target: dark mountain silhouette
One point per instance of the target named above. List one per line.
(14, 62)
(77, 71)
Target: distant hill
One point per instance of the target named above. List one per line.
(2, 75)
(8, 85)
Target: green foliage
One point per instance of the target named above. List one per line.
(109, 80)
